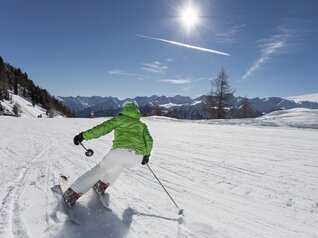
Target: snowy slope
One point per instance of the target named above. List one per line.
(27, 110)
(308, 97)
(233, 180)
(297, 117)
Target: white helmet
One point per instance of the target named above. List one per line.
(130, 101)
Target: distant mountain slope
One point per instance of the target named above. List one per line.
(108, 106)
(180, 106)
(266, 105)
(79, 103)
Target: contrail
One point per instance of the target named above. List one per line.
(186, 45)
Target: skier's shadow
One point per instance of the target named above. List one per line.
(93, 220)
(96, 221)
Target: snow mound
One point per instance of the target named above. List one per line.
(297, 117)
(308, 97)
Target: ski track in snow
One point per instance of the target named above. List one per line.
(11, 224)
(231, 180)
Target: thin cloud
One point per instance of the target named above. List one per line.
(266, 53)
(187, 80)
(187, 89)
(176, 81)
(296, 33)
(186, 45)
(289, 39)
(202, 79)
(231, 35)
(123, 73)
(155, 67)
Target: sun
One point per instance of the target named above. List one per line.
(189, 16)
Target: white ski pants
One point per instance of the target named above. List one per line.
(108, 169)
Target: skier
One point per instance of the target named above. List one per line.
(132, 145)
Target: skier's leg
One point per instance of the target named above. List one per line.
(111, 170)
(87, 180)
(91, 177)
(132, 159)
(111, 176)
(119, 159)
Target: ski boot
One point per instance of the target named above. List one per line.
(70, 197)
(100, 187)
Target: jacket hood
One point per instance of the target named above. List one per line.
(131, 110)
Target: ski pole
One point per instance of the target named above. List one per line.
(180, 210)
(89, 152)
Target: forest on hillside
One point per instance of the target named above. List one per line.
(14, 81)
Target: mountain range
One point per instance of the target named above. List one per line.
(182, 107)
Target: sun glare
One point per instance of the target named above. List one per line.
(189, 16)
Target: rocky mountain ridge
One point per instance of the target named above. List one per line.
(182, 107)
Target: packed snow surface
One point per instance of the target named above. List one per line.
(247, 178)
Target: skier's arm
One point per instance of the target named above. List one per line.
(101, 129)
(148, 141)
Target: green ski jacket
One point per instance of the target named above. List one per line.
(129, 131)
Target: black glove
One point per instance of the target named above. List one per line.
(78, 139)
(145, 160)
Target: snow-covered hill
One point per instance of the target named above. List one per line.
(308, 97)
(297, 117)
(233, 180)
(25, 107)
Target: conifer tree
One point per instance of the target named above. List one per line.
(220, 94)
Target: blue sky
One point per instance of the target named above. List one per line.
(127, 48)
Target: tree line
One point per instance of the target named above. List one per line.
(13, 80)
